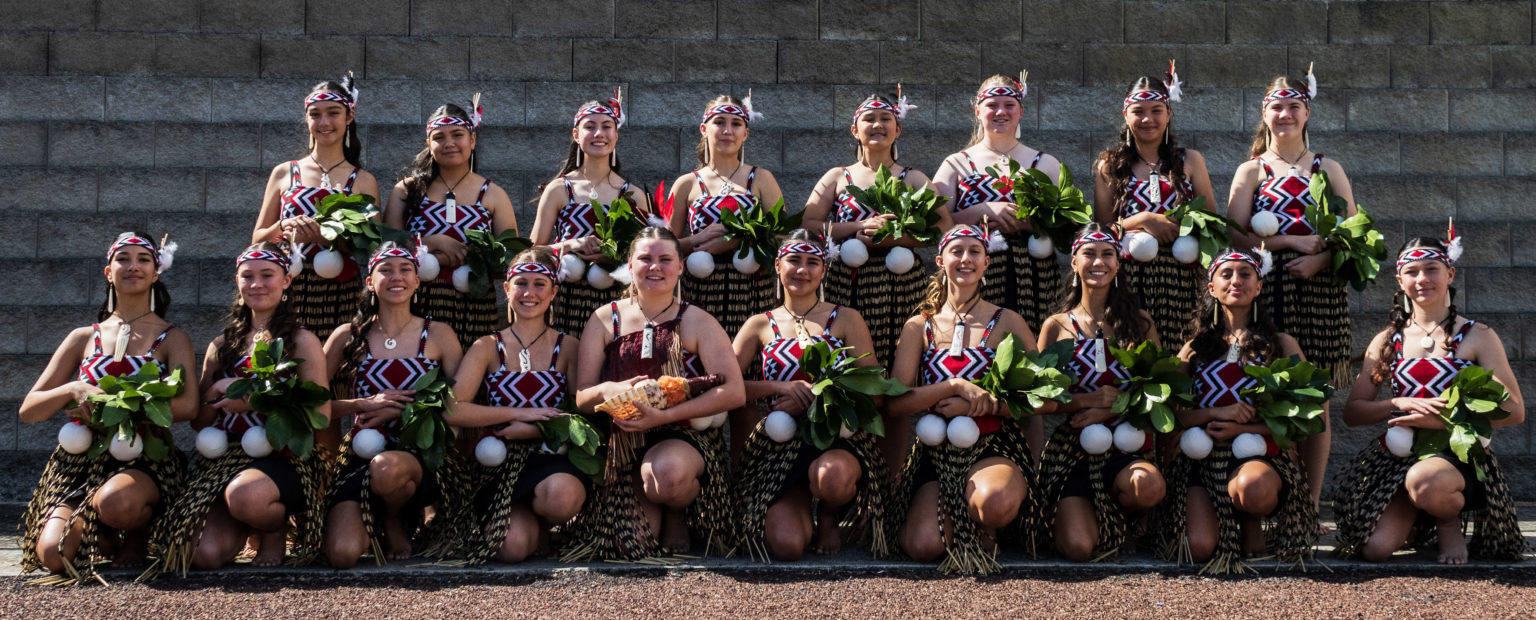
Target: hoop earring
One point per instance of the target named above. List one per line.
(285, 297)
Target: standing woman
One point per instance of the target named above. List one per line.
(783, 481)
(1216, 505)
(723, 183)
(1383, 500)
(952, 501)
(1086, 500)
(233, 497)
(567, 222)
(1304, 298)
(376, 503)
(1016, 280)
(294, 189)
(1137, 181)
(885, 298)
(432, 202)
(533, 489)
(87, 508)
(664, 481)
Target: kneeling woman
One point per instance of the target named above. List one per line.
(952, 501)
(518, 500)
(234, 496)
(390, 490)
(1386, 502)
(782, 481)
(662, 477)
(1085, 499)
(85, 507)
(1216, 505)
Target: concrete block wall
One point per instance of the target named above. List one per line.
(165, 115)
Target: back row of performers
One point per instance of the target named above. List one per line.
(671, 484)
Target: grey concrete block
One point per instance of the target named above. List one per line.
(1074, 149)
(1378, 22)
(100, 144)
(148, 15)
(552, 104)
(930, 62)
(207, 144)
(924, 150)
(19, 373)
(1441, 66)
(1223, 152)
(520, 59)
(1520, 155)
(1366, 152)
(388, 17)
(53, 16)
(1047, 63)
(133, 190)
(157, 99)
(576, 18)
(215, 55)
(1494, 199)
(1093, 109)
(255, 101)
(812, 153)
(876, 20)
(1491, 111)
(502, 101)
(254, 16)
(281, 142)
(22, 242)
(1453, 153)
(955, 107)
(648, 154)
(1206, 109)
(794, 107)
(726, 61)
(26, 143)
(215, 285)
(1175, 22)
(101, 54)
(59, 98)
(1488, 242)
(1277, 22)
(1398, 110)
(85, 236)
(395, 101)
(1514, 67)
(1065, 21)
(1342, 66)
(1475, 23)
(664, 19)
(211, 236)
(1120, 65)
(310, 57)
(462, 17)
(418, 58)
(751, 19)
(1500, 289)
(386, 150)
(237, 190)
(956, 20)
(621, 60)
(1398, 198)
(1232, 65)
(15, 315)
(26, 53)
(62, 190)
(520, 149)
(826, 62)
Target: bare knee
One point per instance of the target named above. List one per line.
(922, 544)
(1376, 551)
(1202, 543)
(518, 546)
(995, 507)
(1255, 490)
(1437, 491)
(1143, 487)
(670, 484)
(558, 498)
(835, 477)
(124, 508)
(1076, 547)
(785, 540)
(343, 551)
(394, 473)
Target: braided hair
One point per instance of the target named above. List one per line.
(1398, 318)
(237, 326)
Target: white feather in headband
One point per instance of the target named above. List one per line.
(901, 104)
(996, 242)
(168, 254)
(1311, 83)
(834, 249)
(1452, 242)
(752, 114)
(351, 86)
(1266, 261)
(655, 221)
(1175, 87)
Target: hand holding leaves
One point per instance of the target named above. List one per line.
(1158, 387)
(421, 421)
(759, 229)
(843, 393)
(1358, 248)
(487, 256)
(291, 406)
(1289, 398)
(1024, 379)
(1054, 209)
(916, 209)
(578, 435)
(1471, 406)
(141, 400)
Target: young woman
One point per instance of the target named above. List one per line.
(378, 357)
(783, 481)
(723, 183)
(432, 202)
(952, 502)
(567, 219)
(1216, 505)
(885, 299)
(1386, 502)
(1137, 181)
(87, 508)
(1304, 298)
(233, 497)
(1016, 280)
(1086, 500)
(333, 165)
(523, 372)
(665, 483)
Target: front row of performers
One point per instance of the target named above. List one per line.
(668, 487)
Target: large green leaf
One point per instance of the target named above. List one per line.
(846, 394)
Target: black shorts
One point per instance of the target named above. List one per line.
(290, 489)
(540, 466)
(1077, 482)
(1474, 494)
(350, 485)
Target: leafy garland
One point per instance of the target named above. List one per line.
(132, 402)
(574, 432)
(1209, 229)
(916, 210)
(1471, 406)
(843, 394)
(618, 223)
(291, 406)
(487, 255)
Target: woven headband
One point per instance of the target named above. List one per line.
(1292, 93)
(802, 247)
(325, 95)
(476, 115)
(1262, 267)
(1449, 257)
(900, 108)
(391, 252)
(1003, 91)
(533, 268)
(1093, 237)
(138, 241)
(1172, 84)
(726, 108)
(249, 255)
(960, 232)
(613, 108)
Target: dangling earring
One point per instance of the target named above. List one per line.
(285, 297)
(1266, 138)
(1128, 142)
(581, 156)
(111, 298)
(858, 151)
(346, 137)
(1408, 306)
(1255, 311)
(1306, 139)
(151, 299)
(895, 153)
(1074, 279)
(1215, 313)
(741, 154)
(311, 142)
(1167, 130)
(613, 161)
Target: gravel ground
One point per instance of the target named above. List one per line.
(1475, 593)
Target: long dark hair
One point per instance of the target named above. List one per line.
(418, 175)
(572, 161)
(1398, 318)
(702, 150)
(1261, 133)
(858, 147)
(352, 355)
(351, 142)
(1122, 313)
(1207, 330)
(237, 326)
(160, 296)
(1118, 159)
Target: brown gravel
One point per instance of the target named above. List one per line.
(1476, 594)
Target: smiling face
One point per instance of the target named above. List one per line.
(1147, 120)
(327, 121)
(999, 114)
(725, 133)
(800, 273)
(597, 135)
(1096, 264)
(529, 295)
(131, 269)
(655, 265)
(394, 280)
(876, 129)
(1286, 118)
(1426, 282)
(451, 145)
(963, 260)
(1235, 283)
(261, 284)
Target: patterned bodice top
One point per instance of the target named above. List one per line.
(432, 218)
(706, 209)
(98, 364)
(1137, 195)
(375, 375)
(1220, 383)
(1287, 197)
(300, 199)
(578, 219)
(781, 356)
(849, 210)
(1084, 348)
(534, 388)
(1427, 377)
(969, 363)
(980, 187)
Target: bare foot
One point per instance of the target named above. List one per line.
(1253, 538)
(134, 547)
(252, 543)
(675, 537)
(829, 539)
(397, 544)
(1453, 546)
(988, 539)
(270, 547)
